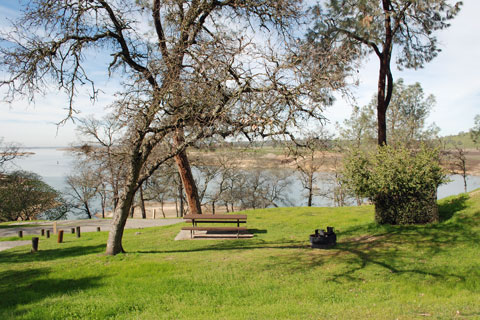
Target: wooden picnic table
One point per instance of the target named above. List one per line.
(195, 219)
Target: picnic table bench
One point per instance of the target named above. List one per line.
(196, 219)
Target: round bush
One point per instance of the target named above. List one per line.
(402, 183)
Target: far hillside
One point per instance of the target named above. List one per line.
(462, 139)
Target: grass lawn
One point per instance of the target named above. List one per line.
(375, 272)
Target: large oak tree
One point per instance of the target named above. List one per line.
(190, 70)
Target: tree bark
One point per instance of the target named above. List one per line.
(310, 189)
(186, 176)
(385, 88)
(87, 210)
(142, 204)
(385, 79)
(114, 242)
(125, 205)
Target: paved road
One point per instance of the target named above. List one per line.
(85, 225)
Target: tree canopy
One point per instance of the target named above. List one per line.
(190, 70)
(405, 118)
(401, 29)
(24, 196)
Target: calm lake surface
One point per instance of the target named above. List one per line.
(53, 165)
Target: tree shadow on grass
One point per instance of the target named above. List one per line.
(409, 249)
(27, 287)
(8, 257)
(448, 208)
(257, 231)
(230, 245)
(397, 250)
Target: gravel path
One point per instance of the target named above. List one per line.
(4, 245)
(85, 225)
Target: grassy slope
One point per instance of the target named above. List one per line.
(375, 272)
(462, 139)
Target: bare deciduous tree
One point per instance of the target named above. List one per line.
(457, 162)
(310, 155)
(194, 70)
(83, 187)
(8, 152)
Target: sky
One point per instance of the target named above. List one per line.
(453, 78)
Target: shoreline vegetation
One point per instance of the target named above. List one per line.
(276, 158)
(18, 154)
(328, 161)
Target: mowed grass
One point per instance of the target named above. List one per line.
(375, 272)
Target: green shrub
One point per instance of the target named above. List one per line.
(400, 182)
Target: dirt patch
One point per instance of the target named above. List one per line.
(4, 245)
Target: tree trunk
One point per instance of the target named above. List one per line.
(381, 107)
(87, 210)
(385, 79)
(142, 204)
(382, 127)
(186, 176)
(180, 196)
(163, 211)
(125, 205)
(114, 242)
(176, 207)
(310, 189)
(103, 208)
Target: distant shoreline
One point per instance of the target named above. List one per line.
(19, 154)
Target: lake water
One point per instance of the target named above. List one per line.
(53, 165)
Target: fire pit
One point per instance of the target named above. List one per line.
(323, 240)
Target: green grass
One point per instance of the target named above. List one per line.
(375, 272)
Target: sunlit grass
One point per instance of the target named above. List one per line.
(375, 272)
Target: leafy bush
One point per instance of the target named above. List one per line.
(400, 182)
